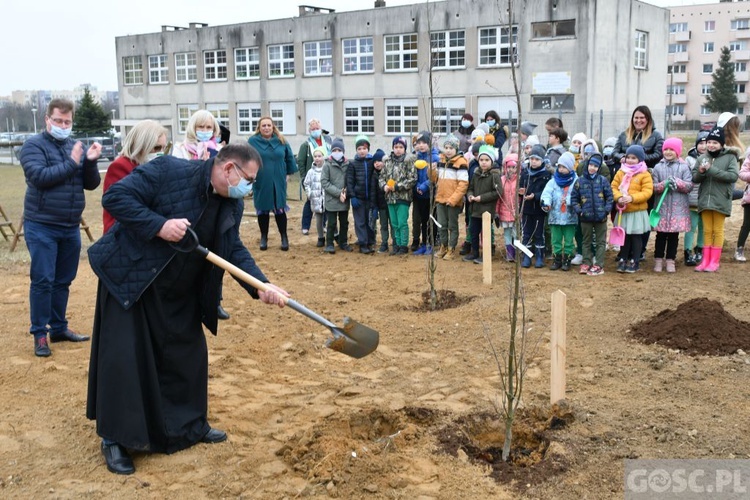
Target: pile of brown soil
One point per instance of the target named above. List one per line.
(698, 326)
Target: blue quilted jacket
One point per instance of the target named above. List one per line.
(54, 182)
(130, 256)
(592, 198)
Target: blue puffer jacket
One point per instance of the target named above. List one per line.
(55, 183)
(422, 187)
(592, 198)
(358, 177)
(130, 256)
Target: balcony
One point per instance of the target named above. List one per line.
(741, 76)
(682, 36)
(742, 98)
(680, 57)
(741, 55)
(743, 34)
(677, 99)
(679, 78)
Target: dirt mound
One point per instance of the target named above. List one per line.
(698, 326)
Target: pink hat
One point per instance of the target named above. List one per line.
(673, 143)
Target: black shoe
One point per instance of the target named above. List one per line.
(465, 248)
(117, 458)
(556, 262)
(364, 249)
(565, 263)
(395, 250)
(621, 266)
(478, 260)
(403, 251)
(41, 347)
(414, 245)
(263, 242)
(221, 313)
(68, 336)
(346, 248)
(284, 243)
(321, 242)
(329, 249)
(214, 436)
(690, 259)
(383, 248)
(469, 257)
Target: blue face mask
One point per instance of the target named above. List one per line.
(315, 134)
(574, 149)
(60, 133)
(204, 136)
(243, 188)
(491, 123)
(465, 123)
(608, 150)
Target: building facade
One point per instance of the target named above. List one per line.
(696, 35)
(371, 71)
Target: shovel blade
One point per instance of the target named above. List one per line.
(617, 236)
(654, 217)
(354, 339)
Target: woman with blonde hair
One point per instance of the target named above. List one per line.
(146, 141)
(269, 190)
(202, 137)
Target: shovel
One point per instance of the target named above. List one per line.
(353, 339)
(617, 234)
(654, 217)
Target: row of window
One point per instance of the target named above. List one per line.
(497, 47)
(710, 26)
(708, 47)
(708, 68)
(739, 88)
(679, 110)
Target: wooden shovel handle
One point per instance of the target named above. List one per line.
(239, 273)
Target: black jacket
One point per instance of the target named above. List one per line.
(358, 177)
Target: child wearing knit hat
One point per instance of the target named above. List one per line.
(483, 195)
(333, 181)
(556, 201)
(672, 174)
(531, 184)
(421, 240)
(378, 203)
(693, 244)
(451, 178)
(632, 187)
(397, 179)
(507, 204)
(358, 178)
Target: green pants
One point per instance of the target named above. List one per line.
(399, 215)
(563, 239)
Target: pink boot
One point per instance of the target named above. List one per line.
(706, 260)
(713, 266)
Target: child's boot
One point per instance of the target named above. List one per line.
(713, 264)
(690, 259)
(556, 262)
(658, 265)
(739, 255)
(510, 253)
(420, 250)
(565, 262)
(705, 259)
(671, 266)
(539, 252)
(698, 254)
(441, 251)
(450, 253)
(465, 248)
(526, 262)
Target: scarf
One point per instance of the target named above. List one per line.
(533, 172)
(630, 172)
(197, 149)
(564, 180)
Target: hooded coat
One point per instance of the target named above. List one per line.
(717, 183)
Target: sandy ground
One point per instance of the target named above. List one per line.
(305, 421)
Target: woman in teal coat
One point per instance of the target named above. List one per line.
(269, 190)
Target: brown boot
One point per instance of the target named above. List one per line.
(441, 252)
(450, 254)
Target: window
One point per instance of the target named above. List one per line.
(284, 117)
(740, 24)
(132, 69)
(641, 50)
(318, 58)
(709, 26)
(157, 69)
(448, 49)
(740, 66)
(564, 102)
(246, 63)
(220, 112)
(739, 88)
(185, 67)
(498, 45)
(678, 27)
(677, 68)
(677, 47)
(359, 117)
(706, 89)
(358, 55)
(708, 68)
(737, 45)
(553, 29)
(675, 89)
(248, 116)
(446, 114)
(740, 111)
(705, 111)
(401, 116)
(676, 109)
(184, 112)
(215, 65)
(708, 47)
(400, 52)
(281, 61)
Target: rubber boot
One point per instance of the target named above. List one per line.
(539, 252)
(707, 253)
(690, 259)
(556, 262)
(510, 253)
(713, 264)
(566, 262)
(698, 254)
(526, 262)
(284, 242)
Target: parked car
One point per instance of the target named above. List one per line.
(708, 125)
(109, 148)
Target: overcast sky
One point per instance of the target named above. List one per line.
(56, 45)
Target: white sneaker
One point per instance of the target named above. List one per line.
(577, 260)
(739, 255)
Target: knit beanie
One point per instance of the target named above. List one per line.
(378, 156)
(716, 134)
(538, 151)
(637, 151)
(476, 147)
(527, 128)
(338, 143)
(595, 160)
(477, 133)
(424, 136)
(567, 160)
(399, 140)
(484, 127)
(321, 150)
(452, 141)
(361, 140)
(673, 143)
(531, 140)
(701, 137)
(488, 151)
(611, 142)
(580, 136)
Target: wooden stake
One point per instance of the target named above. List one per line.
(487, 248)
(558, 347)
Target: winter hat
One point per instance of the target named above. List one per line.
(567, 160)
(527, 128)
(531, 140)
(611, 142)
(321, 150)
(484, 127)
(475, 148)
(361, 140)
(452, 141)
(637, 151)
(724, 119)
(596, 160)
(538, 151)
(589, 146)
(477, 133)
(399, 140)
(580, 136)
(338, 143)
(716, 134)
(701, 137)
(673, 143)
(424, 136)
(510, 158)
(489, 151)
(378, 156)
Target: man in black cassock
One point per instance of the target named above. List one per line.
(148, 374)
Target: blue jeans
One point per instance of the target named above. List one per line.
(55, 252)
(307, 215)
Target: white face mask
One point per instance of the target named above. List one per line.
(153, 156)
(337, 155)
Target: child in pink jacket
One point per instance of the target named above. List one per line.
(739, 253)
(507, 205)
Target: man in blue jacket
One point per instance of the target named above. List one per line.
(57, 170)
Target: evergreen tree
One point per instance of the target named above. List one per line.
(722, 97)
(90, 118)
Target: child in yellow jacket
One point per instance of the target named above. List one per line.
(451, 177)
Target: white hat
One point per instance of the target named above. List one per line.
(724, 118)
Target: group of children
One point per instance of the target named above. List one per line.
(569, 192)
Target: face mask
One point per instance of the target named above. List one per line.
(574, 149)
(465, 123)
(337, 155)
(153, 156)
(491, 123)
(713, 154)
(204, 136)
(315, 134)
(242, 189)
(608, 150)
(60, 133)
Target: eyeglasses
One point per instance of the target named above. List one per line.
(251, 180)
(157, 148)
(59, 122)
